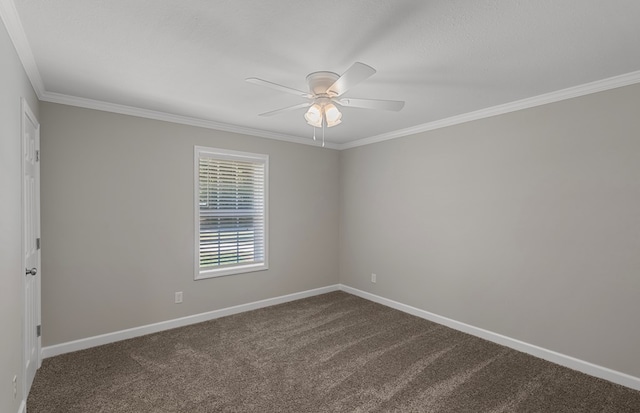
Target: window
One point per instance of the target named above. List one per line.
(231, 212)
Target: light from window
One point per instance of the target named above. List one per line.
(231, 212)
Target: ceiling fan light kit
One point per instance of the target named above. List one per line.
(323, 113)
(325, 89)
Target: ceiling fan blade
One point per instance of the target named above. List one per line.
(287, 109)
(276, 86)
(394, 105)
(354, 75)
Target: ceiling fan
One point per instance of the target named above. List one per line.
(325, 92)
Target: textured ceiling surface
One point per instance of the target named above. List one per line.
(443, 58)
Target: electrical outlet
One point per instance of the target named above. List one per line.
(178, 297)
(15, 386)
(373, 278)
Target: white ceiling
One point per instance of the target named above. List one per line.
(444, 58)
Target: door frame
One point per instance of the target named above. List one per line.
(27, 115)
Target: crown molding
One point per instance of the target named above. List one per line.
(12, 22)
(556, 96)
(559, 95)
(168, 117)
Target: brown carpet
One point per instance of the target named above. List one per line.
(330, 353)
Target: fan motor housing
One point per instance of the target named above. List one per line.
(319, 82)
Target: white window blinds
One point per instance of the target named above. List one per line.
(231, 206)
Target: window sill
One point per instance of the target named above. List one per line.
(223, 272)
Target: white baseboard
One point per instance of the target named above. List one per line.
(89, 342)
(23, 407)
(549, 355)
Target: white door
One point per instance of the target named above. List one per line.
(31, 243)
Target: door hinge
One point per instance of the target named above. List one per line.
(38, 330)
(38, 243)
(37, 155)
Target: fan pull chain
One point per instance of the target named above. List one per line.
(323, 134)
(314, 133)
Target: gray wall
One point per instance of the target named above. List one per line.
(13, 85)
(117, 222)
(525, 224)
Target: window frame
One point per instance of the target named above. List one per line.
(227, 154)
